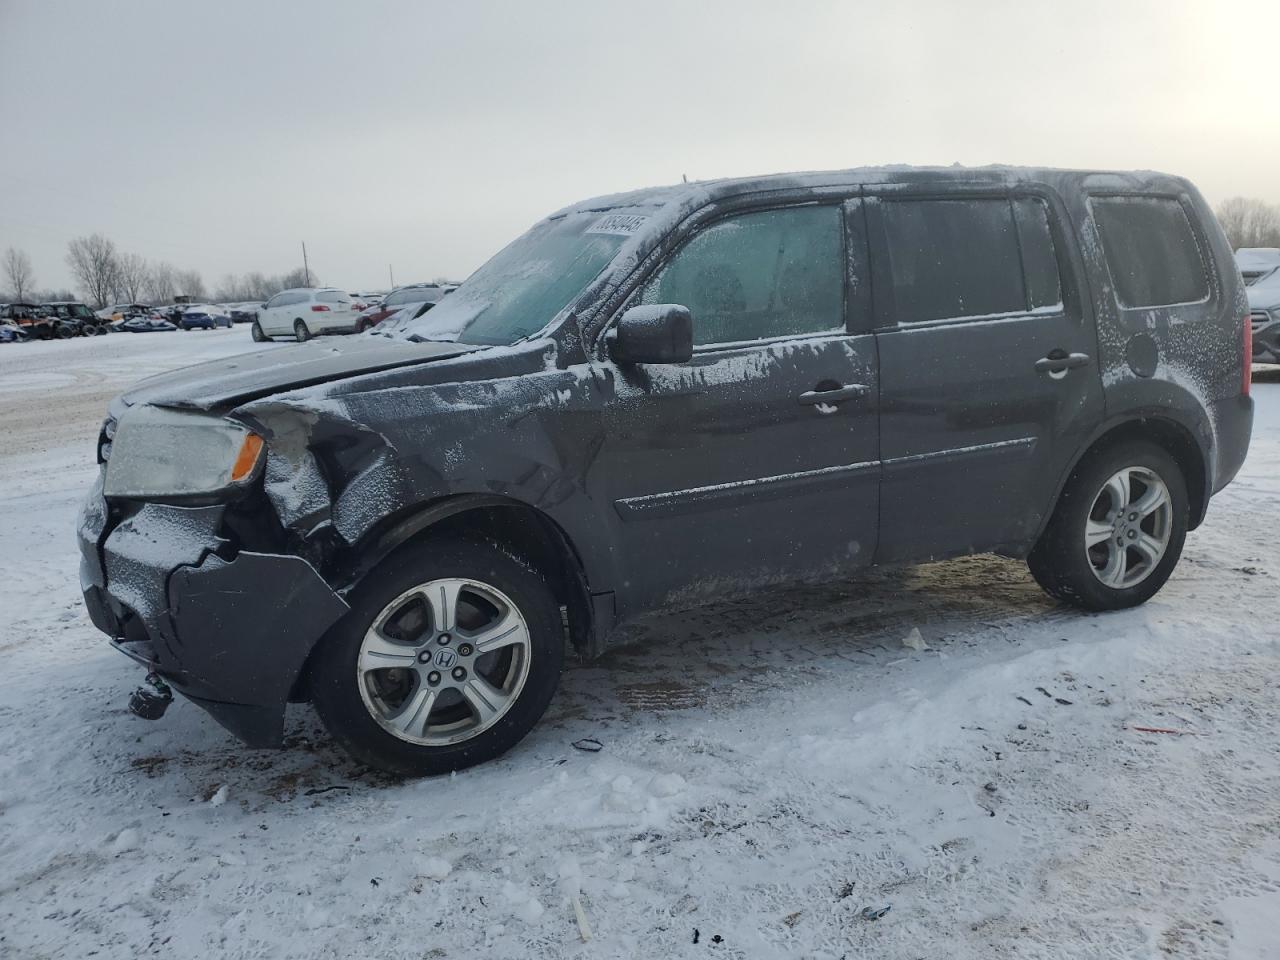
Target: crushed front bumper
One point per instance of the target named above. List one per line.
(229, 629)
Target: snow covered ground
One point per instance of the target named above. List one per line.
(770, 769)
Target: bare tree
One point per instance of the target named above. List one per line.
(255, 286)
(161, 283)
(1249, 222)
(95, 265)
(299, 278)
(190, 283)
(132, 277)
(17, 267)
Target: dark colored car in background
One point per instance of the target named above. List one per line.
(663, 397)
(86, 322)
(398, 299)
(1264, 315)
(203, 316)
(243, 312)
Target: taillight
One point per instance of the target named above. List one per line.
(319, 308)
(1247, 380)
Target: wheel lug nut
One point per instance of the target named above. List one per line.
(433, 678)
(443, 639)
(465, 650)
(459, 673)
(1132, 535)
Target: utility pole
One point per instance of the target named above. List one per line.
(392, 276)
(306, 270)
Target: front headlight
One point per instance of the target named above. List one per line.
(159, 454)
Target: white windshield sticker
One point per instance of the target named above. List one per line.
(618, 224)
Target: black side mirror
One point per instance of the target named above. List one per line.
(653, 333)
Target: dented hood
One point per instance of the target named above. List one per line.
(249, 376)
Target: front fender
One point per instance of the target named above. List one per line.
(364, 463)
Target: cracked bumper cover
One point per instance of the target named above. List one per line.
(230, 631)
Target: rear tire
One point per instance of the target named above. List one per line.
(427, 713)
(1098, 557)
(300, 331)
(257, 334)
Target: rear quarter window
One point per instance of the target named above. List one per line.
(1152, 251)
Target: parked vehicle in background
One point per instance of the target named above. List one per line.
(397, 300)
(204, 316)
(306, 312)
(85, 320)
(667, 396)
(1257, 262)
(1264, 316)
(40, 322)
(119, 311)
(10, 332)
(155, 323)
(244, 312)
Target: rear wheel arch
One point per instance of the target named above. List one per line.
(1175, 437)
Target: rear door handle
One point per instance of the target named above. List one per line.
(852, 391)
(1058, 362)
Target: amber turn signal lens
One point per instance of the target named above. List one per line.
(247, 458)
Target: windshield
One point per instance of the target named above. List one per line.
(527, 283)
(410, 295)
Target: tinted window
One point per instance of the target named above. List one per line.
(759, 275)
(1039, 258)
(953, 258)
(1151, 251)
(276, 301)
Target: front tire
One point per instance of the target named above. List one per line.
(1117, 531)
(257, 334)
(449, 656)
(300, 331)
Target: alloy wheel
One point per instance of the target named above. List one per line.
(444, 661)
(1128, 528)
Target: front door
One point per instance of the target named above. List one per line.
(756, 462)
(989, 378)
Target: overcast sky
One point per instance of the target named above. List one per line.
(218, 134)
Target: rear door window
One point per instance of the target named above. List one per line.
(1151, 251)
(759, 275)
(953, 258)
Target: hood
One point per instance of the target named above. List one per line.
(235, 380)
(1264, 294)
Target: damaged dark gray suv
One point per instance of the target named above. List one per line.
(665, 396)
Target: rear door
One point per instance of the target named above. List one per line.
(756, 462)
(989, 380)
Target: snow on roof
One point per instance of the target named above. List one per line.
(701, 191)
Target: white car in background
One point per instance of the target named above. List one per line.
(306, 312)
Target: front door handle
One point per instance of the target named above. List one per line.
(852, 391)
(1058, 362)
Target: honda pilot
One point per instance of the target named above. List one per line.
(662, 397)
